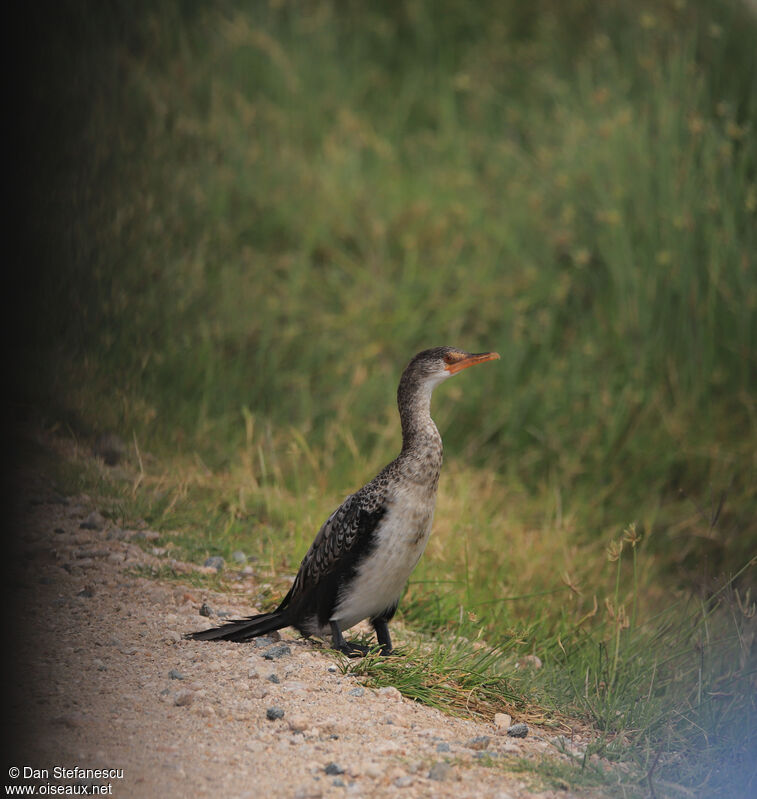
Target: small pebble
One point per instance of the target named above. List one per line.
(59, 531)
(359, 691)
(298, 722)
(403, 782)
(273, 713)
(442, 747)
(183, 698)
(276, 652)
(339, 782)
(390, 692)
(273, 678)
(333, 768)
(87, 592)
(175, 675)
(295, 686)
(518, 730)
(214, 562)
(95, 521)
(479, 742)
(502, 722)
(439, 771)
(205, 609)
(261, 642)
(238, 556)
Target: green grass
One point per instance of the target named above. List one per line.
(243, 220)
(661, 681)
(454, 678)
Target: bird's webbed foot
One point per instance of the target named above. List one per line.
(353, 650)
(349, 648)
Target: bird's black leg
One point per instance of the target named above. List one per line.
(382, 633)
(349, 649)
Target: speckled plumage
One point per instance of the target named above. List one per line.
(361, 558)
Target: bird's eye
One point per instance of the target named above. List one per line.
(449, 358)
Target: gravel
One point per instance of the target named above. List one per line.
(518, 730)
(390, 692)
(276, 652)
(211, 730)
(298, 722)
(479, 742)
(502, 722)
(214, 562)
(206, 610)
(333, 768)
(183, 698)
(95, 521)
(439, 771)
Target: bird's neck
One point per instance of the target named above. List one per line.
(421, 456)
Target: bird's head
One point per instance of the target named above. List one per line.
(435, 365)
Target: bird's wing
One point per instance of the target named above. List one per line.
(336, 541)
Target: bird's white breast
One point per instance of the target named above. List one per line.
(400, 540)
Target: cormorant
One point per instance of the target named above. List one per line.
(358, 564)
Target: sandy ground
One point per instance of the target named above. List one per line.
(105, 680)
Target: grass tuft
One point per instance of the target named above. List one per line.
(451, 676)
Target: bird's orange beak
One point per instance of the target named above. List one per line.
(471, 360)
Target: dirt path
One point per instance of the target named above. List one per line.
(106, 681)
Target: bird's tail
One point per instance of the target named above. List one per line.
(243, 629)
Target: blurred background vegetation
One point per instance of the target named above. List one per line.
(242, 219)
(267, 208)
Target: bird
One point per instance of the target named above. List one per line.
(363, 555)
